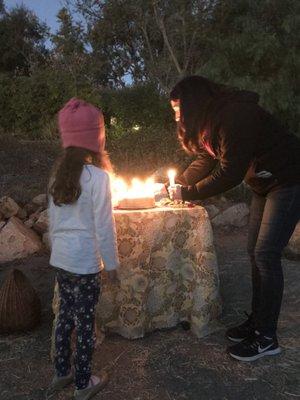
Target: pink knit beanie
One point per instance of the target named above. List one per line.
(81, 125)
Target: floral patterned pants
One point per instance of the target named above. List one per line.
(78, 296)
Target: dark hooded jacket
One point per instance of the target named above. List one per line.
(248, 144)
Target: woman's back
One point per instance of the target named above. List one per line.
(242, 121)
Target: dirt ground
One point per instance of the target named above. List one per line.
(165, 365)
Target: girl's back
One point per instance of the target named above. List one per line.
(72, 226)
(82, 235)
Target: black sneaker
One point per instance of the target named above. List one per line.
(254, 347)
(241, 332)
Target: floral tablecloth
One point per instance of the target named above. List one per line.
(168, 273)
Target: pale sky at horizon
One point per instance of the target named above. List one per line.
(46, 10)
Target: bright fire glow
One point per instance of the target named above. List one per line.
(136, 190)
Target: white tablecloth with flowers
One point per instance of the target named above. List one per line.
(168, 273)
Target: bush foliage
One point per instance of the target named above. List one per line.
(248, 44)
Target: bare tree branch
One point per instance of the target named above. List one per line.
(162, 28)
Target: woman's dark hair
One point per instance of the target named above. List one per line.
(200, 99)
(64, 186)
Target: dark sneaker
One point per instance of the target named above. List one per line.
(254, 347)
(241, 332)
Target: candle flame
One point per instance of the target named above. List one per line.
(171, 176)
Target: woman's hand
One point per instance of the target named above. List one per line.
(175, 192)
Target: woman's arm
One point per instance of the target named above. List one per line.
(237, 138)
(104, 222)
(197, 170)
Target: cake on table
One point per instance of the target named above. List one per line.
(137, 203)
(137, 195)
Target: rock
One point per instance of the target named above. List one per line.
(22, 213)
(41, 225)
(8, 207)
(220, 201)
(31, 208)
(17, 241)
(29, 223)
(35, 216)
(239, 194)
(1, 216)
(46, 240)
(40, 200)
(236, 215)
(212, 210)
(293, 247)
(223, 199)
(2, 223)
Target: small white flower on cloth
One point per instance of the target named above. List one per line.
(175, 192)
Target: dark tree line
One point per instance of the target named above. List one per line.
(103, 45)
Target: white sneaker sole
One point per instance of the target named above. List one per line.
(87, 394)
(257, 356)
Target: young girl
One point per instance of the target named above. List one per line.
(82, 234)
(235, 139)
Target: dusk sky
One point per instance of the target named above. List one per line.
(46, 10)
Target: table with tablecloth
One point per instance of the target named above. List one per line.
(168, 273)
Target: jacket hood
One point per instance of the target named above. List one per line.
(245, 96)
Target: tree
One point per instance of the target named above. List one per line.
(68, 53)
(2, 8)
(69, 39)
(157, 40)
(72, 54)
(22, 40)
(254, 46)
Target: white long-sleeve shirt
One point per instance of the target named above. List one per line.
(83, 234)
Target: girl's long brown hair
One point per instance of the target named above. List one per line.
(64, 185)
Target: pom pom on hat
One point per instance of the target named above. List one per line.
(82, 125)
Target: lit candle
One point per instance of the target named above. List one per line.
(171, 175)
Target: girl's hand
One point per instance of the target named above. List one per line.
(112, 276)
(175, 192)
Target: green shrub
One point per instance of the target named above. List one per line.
(30, 104)
(145, 151)
(135, 108)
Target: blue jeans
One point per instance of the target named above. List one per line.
(272, 222)
(78, 296)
